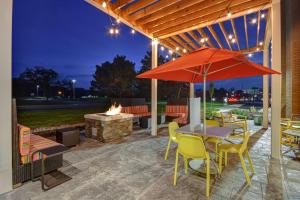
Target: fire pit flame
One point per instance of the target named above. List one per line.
(114, 110)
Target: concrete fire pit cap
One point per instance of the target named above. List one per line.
(103, 117)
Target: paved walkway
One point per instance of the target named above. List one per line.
(137, 170)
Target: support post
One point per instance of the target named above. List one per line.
(6, 96)
(192, 90)
(266, 90)
(276, 80)
(154, 90)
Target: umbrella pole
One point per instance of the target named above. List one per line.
(204, 103)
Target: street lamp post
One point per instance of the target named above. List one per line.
(37, 90)
(73, 84)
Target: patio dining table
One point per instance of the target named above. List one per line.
(211, 131)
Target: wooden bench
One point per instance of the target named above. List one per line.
(179, 112)
(137, 111)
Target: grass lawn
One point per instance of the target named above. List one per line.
(48, 118)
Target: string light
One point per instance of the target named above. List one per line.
(132, 31)
(117, 31)
(229, 14)
(260, 43)
(184, 50)
(230, 37)
(167, 56)
(257, 49)
(202, 40)
(104, 5)
(111, 31)
(177, 48)
(253, 21)
(162, 48)
(263, 15)
(118, 21)
(170, 52)
(233, 40)
(250, 11)
(173, 59)
(206, 39)
(250, 55)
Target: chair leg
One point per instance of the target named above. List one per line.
(245, 168)
(168, 148)
(175, 169)
(226, 160)
(185, 165)
(250, 161)
(220, 161)
(216, 152)
(207, 177)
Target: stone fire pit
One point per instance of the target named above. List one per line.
(103, 127)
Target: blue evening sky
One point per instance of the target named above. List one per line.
(71, 37)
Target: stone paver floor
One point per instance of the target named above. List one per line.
(136, 169)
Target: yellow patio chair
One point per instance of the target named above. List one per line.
(289, 140)
(214, 140)
(192, 147)
(172, 136)
(230, 120)
(238, 149)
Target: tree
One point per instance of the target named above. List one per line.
(166, 89)
(116, 79)
(41, 76)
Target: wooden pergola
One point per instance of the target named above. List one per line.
(186, 25)
(180, 24)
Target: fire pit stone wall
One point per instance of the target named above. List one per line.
(102, 127)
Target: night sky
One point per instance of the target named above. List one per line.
(71, 37)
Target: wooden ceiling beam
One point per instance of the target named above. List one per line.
(181, 43)
(203, 34)
(215, 36)
(258, 28)
(173, 11)
(234, 32)
(188, 41)
(119, 4)
(151, 9)
(136, 6)
(225, 34)
(250, 50)
(246, 31)
(195, 37)
(174, 44)
(206, 20)
(197, 12)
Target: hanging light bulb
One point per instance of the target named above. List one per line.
(162, 48)
(250, 55)
(260, 43)
(104, 5)
(206, 39)
(202, 40)
(229, 14)
(117, 31)
(257, 49)
(177, 48)
(167, 56)
(170, 52)
(111, 31)
(230, 37)
(155, 42)
(118, 21)
(132, 31)
(233, 40)
(184, 50)
(173, 59)
(263, 15)
(253, 21)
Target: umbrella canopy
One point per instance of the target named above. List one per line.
(209, 63)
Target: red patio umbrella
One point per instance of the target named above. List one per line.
(207, 64)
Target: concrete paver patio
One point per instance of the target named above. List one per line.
(137, 170)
